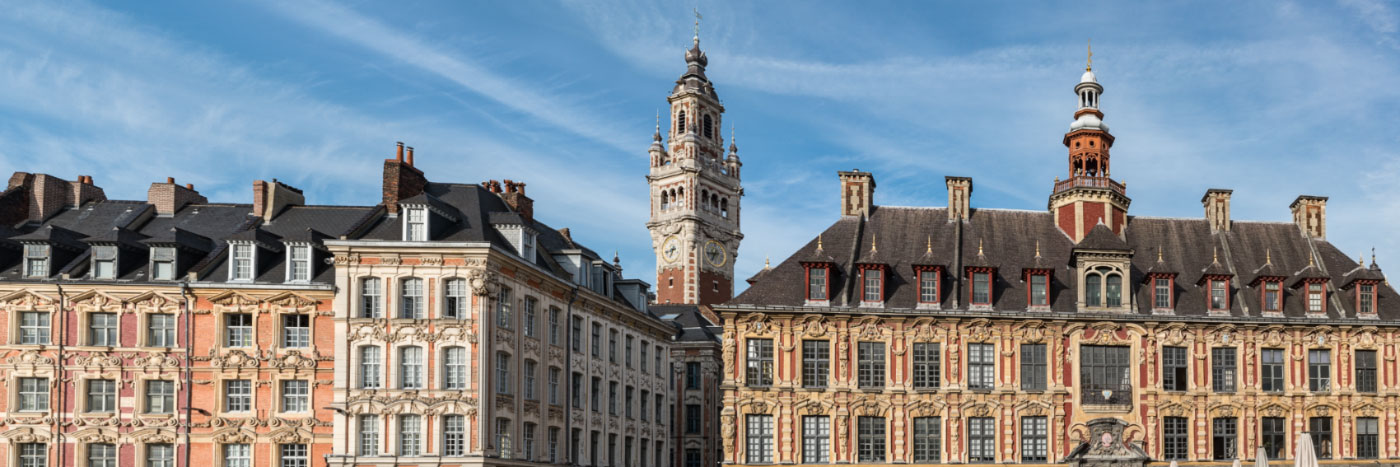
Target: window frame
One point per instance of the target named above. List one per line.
(816, 439)
(981, 440)
(981, 277)
(758, 436)
(243, 262)
(1319, 370)
(1035, 446)
(825, 286)
(1224, 438)
(412, 296)
(1272, 381)
(871, 440)
(816, 363)
(1224, 369)
(930, 282)
(300, 269)
(928, 439)
(927, 365)
(871, 364)
(758, 362)
(1034, 367)
(872, 284)
(1176, 370)
(981, 366)
(1044, 286)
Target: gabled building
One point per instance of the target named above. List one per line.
(944, 335)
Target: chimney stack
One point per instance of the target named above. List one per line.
(269, 198)
(1217, 204)
(959, 198)
(169, 197)
(515, 197)
(38, 196)
(1310, 215)
(857, 192)
(401, 180)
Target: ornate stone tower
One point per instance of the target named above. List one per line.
(1089, 196)
(695, 194)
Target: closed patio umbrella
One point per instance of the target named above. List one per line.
(1261, 458)
(1303, 455)
(1173, 464)
(1237, 463)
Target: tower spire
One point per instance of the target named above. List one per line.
(697, 25)
(1089, 65)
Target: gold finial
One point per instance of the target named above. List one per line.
(1268, 256)
(766, 266)
(929, 248)
(1089, 66)
(1214, 255)
(1037, 248)
(872, 244)
(1310, 261)
(1361, 260)
(979, 247)
(1159, 253)
(1373, 256)
(819, 242)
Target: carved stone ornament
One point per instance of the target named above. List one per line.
(156, 360)
(1106, 446)
(29, 358)
(233, 359)
(1174, 335)
(292, 360)
(482, 282)
(812, 326)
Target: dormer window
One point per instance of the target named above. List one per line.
(241, 268)
(299, 263)
(1366, 298)
(527, 246)
(872, 285)
(36, 261)
(415, 224)
(1316, 298)
(930, 285)
(163, 263)
(1038, 288)
(1162, 293)
(104, 262)
(1103, 287)
(1273, 295)
(1219, 294)
(818, 283)
(981, 286)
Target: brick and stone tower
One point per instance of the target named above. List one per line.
(1089, 196)
(695, 194)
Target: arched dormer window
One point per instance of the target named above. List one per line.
(709, 127)
(1103, 286)
(680, 122)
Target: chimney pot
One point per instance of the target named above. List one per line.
(410, 156)
(400, 151)
(170, 180)
(189, 186)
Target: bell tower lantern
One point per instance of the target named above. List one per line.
(1089, 196)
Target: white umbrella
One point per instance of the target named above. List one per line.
(1303, 455)
(1261, 459)
(1237, 463)
(1173, 464)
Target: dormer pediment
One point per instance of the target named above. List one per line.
(234, 299)
(25, 298)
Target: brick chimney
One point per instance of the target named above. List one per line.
(515, 197)
(169, 197)
(857, 192)
(401, 180)
(269, 198)
(959, 198)
(46, 195)
(1310, 215)
(1217, 204)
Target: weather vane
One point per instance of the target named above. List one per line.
(1087, 67)
(697, 23)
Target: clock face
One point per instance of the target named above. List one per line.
(714, 253)
(671, 250)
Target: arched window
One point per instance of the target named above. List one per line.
(680, 122)
(411, 367)
(709, 134)
(714, 202)
(1092, 287)
(680, 197)
(724, 208)
(1113, 291)
(704, 195)
(665, 200)
(411, 297)
(454, 368)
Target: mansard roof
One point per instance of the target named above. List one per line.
(1008, 240)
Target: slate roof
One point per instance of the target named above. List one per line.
(1009, 239)
(691, 324)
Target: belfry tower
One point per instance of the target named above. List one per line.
(695, 193)
(1090, 195)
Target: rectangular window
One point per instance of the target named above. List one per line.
(692, 458)
(627, 352)
(928, 439)
(1273, 298)
(102, 329)
(1033, 368)
(101, 395)
(416, 229)
(1223, 440)
(292, 455)
(527, 441)
(238, 330)
(659, 407)
(980, 366)
(242, 262)
(612, 397)
(981, 288)
(370, 367)
(34, 328)
(692, 375)
(296, 330)
(1366, 298)
(296, 396)
(1274, 437)
(412, 300)
(1104, 375)
(871, 364)
(160, 396)
(1366, 371)
(104, 262)
(612, 346)
(1271, 370)
(529, 381)
(1033, 440)
(554, 446)
(1319, 370)
(456, 306)
(576, 393)
(643, 360)
(816, 363)
(1218, 294)
(411, 368)
(238, 395)
(1040, 295)
(161, 332)
(597, 399)
(33, 455)
(760, 363)
(301, 264)
(238, 455)
(1367, 438)
(692, 418)
(873, 290)
(928, 286)
(554, 386)
(502, 373)
(369, 434)
(816, 439)
(1222, 369)
(981, 439)
(102, 455)
(657, 357)
(627, 402)
(554, 314)
(163, 455)
(410, 435)
(646, 398)
(1175, 438)
(33, 394)
(576, 334)
(1162, 293)
(371, 298)
(527, 327)
(454, 436)
(927, 367)
(1174, 368)
(1320, 429)
(454, 366)
(1315, 297)
(816, 283)
(163, 263)
(36, 260)
(870, 440)
(597, 341)
(760, 439)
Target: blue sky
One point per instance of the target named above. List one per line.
(1272, 99)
